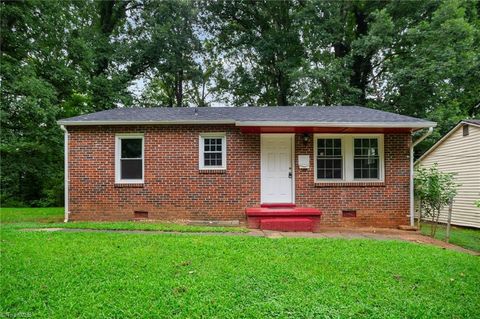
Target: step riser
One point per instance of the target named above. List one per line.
(287, 225)
(297, 211)
(284, 219)
(278, 205)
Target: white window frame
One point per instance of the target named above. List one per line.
(348, 157)
(201, 144)
(315, 150)
(118, 145)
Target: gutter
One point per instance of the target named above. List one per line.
(67, 175)
(412, 198)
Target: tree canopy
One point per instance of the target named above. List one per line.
(64, 58)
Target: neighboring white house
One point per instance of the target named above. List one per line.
(458, 152)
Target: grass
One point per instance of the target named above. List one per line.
(117, 275)
(466, 237)
(53, 217)
(40, 215)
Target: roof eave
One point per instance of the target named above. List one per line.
(413, 125)
(92, 123)
(471, 123)
(339, 124)
(440, 141)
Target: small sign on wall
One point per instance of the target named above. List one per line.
(304, 161)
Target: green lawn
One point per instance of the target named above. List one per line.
(465, 237)
(53, 218)
(117, 275)
(41, 215)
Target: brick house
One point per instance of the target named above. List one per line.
(277, 167)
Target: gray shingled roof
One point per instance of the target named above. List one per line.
(303, 115)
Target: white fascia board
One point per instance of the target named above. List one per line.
(340, 124)
(261, 123)
(66, 123)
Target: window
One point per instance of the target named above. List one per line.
(465, 130)
(213, 151)
(348, 157)
(329, 158)
(129, 158)
(366, 158)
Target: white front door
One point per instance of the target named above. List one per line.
(277, 169)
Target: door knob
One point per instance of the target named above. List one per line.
(289, 174)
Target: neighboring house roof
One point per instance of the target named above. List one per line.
(332, 116)
(446, 136)
(472, 122)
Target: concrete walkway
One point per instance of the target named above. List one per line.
(345, 233)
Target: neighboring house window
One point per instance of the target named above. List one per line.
(329, 158)
(213, 151)
(348, 157)
(465, 130)
(129, 158)
(366, 158)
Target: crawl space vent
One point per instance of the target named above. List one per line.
(349, 213)
(140, 214)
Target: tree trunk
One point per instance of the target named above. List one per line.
(362, 66)
(179, 89)
(111, 13)
(282, 89)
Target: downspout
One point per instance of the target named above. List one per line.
(67, 176)
(412, 146)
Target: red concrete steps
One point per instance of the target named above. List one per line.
(283, 217)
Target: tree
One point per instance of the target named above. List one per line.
(33, 63)
(52, 68)
(170, 49)
(260, 45)
(434, 190)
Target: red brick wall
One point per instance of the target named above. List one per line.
(175, 189)
(376, 204)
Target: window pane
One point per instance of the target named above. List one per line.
(320, 173)
(131, 148)
(321, 164)
(329, 158)
(213, 152)
(337, 174)
(131, 169)
(357, 173)
(366, 158)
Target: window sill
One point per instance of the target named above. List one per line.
(129, 185)
(213, 171)
(350, 184)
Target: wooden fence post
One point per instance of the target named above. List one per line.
(449, 220)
